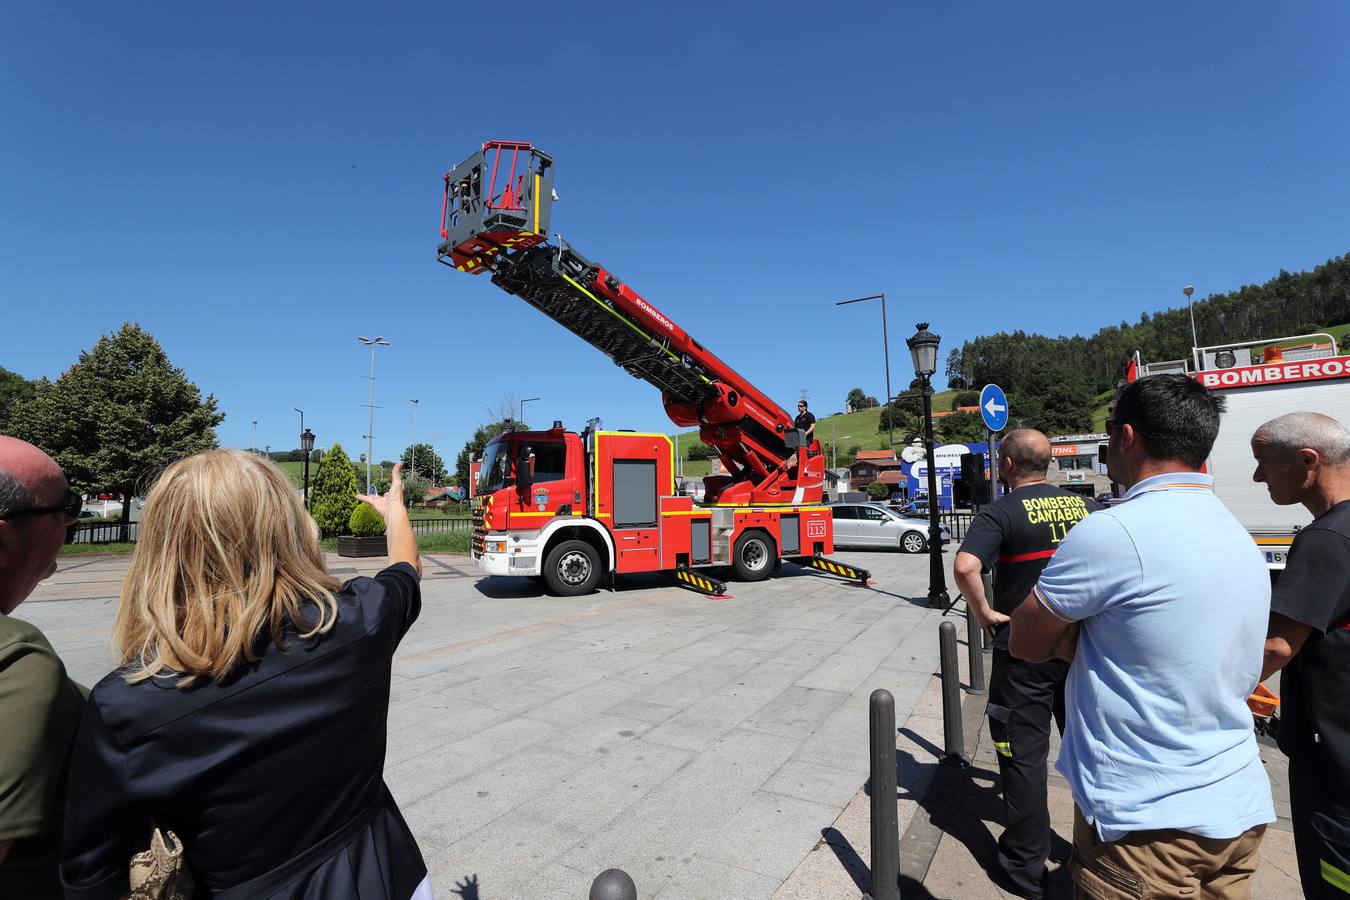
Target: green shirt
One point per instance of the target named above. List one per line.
(40, 710)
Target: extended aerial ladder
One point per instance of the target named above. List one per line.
(496, 218)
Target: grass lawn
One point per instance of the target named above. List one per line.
(87, 549)
(440, 542)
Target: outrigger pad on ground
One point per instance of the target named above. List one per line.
(829, 566)
(701, 583)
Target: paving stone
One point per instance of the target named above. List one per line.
(704, 878)
(770, 834)
(818, 783)
(796, 712)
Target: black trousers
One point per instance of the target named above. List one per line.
(1321, 831)
(1023, 697)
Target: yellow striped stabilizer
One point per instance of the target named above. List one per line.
(843, 570)
(701, 583)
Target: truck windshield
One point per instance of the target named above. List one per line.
(496, 468)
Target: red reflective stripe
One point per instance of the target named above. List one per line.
(1027, 557)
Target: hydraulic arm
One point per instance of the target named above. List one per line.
(496, 218)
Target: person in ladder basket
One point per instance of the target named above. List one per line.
(805, 421)
(1019, 532)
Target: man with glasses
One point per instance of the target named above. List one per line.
(1160, 602)
(805, 421)
(40, 707)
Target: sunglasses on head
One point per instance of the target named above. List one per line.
(69, 506)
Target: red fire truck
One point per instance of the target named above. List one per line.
(567, 508)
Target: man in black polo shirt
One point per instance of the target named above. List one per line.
(1304, 457)
(1016, 536)
(805, 421)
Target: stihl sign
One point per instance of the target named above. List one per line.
(1250, 376)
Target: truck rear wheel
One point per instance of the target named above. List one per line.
(754, 556)
(572, 569)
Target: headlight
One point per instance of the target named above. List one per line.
(495, 547)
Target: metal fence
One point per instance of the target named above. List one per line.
(957, 522)
(117, 533)
(104, 533)
(437, 526)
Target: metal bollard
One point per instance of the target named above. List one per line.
(613, 884)
(975, 652)
(952, 734)
(885, 817)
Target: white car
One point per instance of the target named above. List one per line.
(875, 526)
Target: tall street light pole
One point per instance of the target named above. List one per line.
(378, 341)
(522, 407)
(307, 445)
(886, 352)
(413, 448)
(923, 347)
(1188, 290)
(254, 448)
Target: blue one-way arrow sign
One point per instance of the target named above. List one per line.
(994, 407)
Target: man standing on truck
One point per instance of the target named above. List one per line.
(1304, 457)
(805, 421)
(1020, 532)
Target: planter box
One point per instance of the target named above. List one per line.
(351, 545)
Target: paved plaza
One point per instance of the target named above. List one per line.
(710, 748)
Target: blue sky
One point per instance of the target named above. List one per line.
(258, 184)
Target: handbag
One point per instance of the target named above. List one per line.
(160, 872)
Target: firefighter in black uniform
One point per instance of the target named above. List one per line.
(1016, 536)
(1304, 457)
(805, 421)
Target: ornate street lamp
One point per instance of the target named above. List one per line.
(307, 445)
(923, 347)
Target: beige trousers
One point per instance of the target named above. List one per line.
(1163, 864)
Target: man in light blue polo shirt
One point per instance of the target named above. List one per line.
(1161, 602)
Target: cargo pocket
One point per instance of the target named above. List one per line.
(998, 729)
(1097, 879)
(1334, 854)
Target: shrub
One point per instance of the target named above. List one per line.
(700, 451)
(365, 521)
(878, 491)
(333, 494)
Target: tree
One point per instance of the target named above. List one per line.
(474, 446)
(965, 398)
(858, 400)
(365, 521)
(699, 450)
(428, 463)
(14, 390)
(895, 419)
(333, 496)
(909, 401)
(960, 428)
(415, 487)
(878, 491)
(118, 415)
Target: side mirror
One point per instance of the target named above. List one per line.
(524, 469)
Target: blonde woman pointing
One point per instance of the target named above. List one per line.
(248, 713)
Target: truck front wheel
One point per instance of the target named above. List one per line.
(572, 569)
(754, 556)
